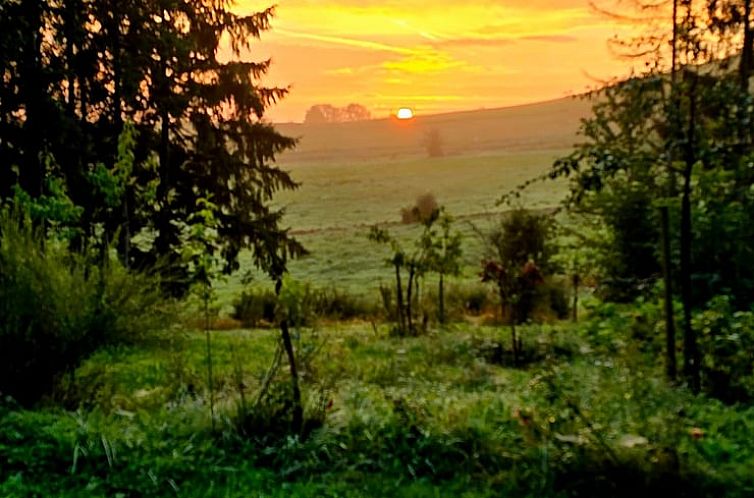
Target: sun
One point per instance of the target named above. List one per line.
(404, 113)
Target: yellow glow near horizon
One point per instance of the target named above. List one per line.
(404, 113)
(441, 55)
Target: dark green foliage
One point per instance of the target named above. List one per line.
(519, 251)
(660, 136)
(523, 236)
(726, 339)
(334, 304)
(268, 423)
(462, 300)
(470, 299)
(56, 309)
(680, 142)
(616, 174)
(553, 297)
(723, 249)
(77, 75)
(257, 308)
(631, 259)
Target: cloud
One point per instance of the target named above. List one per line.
(426, 61)
(555, 38)
(503, 41)
(476, 42)
(442, 54)
(349, 42)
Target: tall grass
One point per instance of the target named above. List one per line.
(56, 309)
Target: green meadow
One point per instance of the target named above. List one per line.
(338, 202)
(429, 416)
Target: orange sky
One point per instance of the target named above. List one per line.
(433, 56)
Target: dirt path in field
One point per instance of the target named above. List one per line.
(464, 217)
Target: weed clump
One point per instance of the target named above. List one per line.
(257, 308)
(56, 309)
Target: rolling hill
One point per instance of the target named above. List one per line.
(550, 125)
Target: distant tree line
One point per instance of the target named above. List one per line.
(326, 113)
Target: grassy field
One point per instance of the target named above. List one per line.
(421, 417)
(337, 203)
(347, 194)
(355, 175)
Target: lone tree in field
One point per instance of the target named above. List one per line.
(433, 143)
(442, 246)
(518, 255)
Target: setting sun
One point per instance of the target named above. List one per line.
(405, 113)
(440, 56)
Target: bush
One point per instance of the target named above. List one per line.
(424, 208)
(56, 309)
(549, 300)
(726, 340)
(335, 304)
(559, 298)
(255, 308)
(472, 299)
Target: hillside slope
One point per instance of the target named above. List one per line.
(533, 127)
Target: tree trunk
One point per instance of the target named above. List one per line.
(691, 352)
(675, 105)
(441, 300)
(746, 66)
(210, 382)
(409, 289)
(576, 282)
(69, 56)
(674, 46)
(670, 359)
(163, 189)
(125, 222)
(513, 333)
(747, 51)
(298, 411)
(34, 96)
(399, 298)
(417, 294)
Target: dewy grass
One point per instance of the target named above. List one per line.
(424, 416)
(337, 203)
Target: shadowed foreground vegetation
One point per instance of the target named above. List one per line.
(437, 415)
